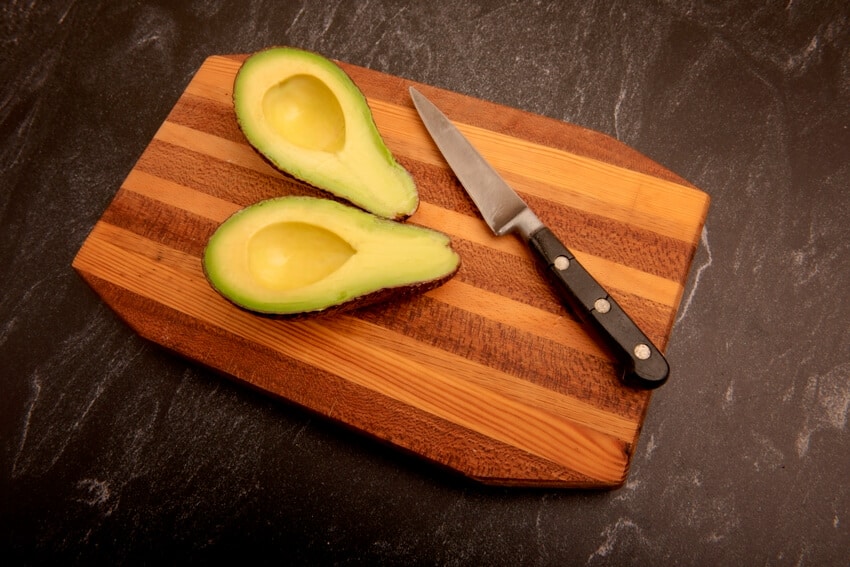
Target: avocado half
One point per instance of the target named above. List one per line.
(306, 116)
(302, 255)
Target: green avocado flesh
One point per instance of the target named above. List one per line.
(302, 255)
(306, 116)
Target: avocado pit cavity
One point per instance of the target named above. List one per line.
(305, 112)
(291, 255)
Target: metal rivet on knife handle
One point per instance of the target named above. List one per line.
(643, 352)
(562, 262)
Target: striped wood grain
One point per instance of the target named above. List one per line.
(486, 375)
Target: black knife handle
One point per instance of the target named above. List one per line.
(645, 366)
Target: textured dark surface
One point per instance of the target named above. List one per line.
(113, 450)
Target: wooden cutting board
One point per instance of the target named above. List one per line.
(487, 374)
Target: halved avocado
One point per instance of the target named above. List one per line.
(302, 255)
(306, 116)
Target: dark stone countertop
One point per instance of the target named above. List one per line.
(116, 451)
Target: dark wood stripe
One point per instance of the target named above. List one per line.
(158, 222)
(207, 116)
(230, 182)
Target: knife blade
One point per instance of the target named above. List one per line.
(504, 211)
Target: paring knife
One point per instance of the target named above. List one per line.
(505, 211)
